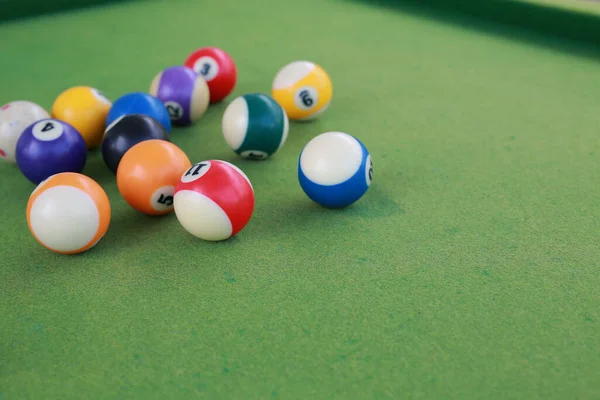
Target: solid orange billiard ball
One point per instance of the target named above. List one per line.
(148, 173)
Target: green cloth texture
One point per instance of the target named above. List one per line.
(469, 270)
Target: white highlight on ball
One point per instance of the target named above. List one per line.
(115, 122)
(331, 158)
(64, 218)
(47, 130)
(201, 216)
(292, 73)
(100, 96)
(206, 67)
(235, 122)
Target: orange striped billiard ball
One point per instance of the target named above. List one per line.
(68, 213)
(148, 173)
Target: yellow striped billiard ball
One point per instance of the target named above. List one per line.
(303, 89)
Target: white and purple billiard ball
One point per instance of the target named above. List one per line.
(214, 200)
(184, 93)
(15, 117)
(48, 147)
(335, 169)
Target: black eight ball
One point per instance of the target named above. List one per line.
(126, 132)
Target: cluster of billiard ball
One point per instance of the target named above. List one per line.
(68, 212)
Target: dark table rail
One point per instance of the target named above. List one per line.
(569, 23)
(17, 9)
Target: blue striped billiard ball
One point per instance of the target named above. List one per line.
(335, 169)
(48, 147)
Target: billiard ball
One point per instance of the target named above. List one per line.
(184, 94)
(214, 200)
(139, 103)
(335, 169)
(217, 68)
(127, 131)
(15, 117)
(85, 108)
(48, 147)
(68, 213)
(255, 126)
(148, 173)
(303, 89)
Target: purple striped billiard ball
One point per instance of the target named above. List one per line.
(184, 93)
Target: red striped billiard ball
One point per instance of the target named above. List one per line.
(214, 200)
(217, 68)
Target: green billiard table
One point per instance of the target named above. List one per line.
(469, 270)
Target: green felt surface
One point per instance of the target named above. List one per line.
(469, 270)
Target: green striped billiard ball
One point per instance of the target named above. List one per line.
(255, 126)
